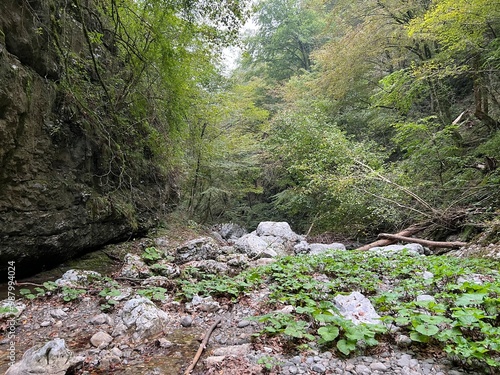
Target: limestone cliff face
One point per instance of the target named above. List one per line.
(52, 202)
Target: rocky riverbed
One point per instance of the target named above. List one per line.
(93, 324)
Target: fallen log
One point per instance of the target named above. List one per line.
(388, 241)
(428, 243)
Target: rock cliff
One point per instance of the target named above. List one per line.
(54, 200)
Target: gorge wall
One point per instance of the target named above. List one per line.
(58, 194)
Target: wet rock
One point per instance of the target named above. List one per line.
(144, 317)
(251, 245)
(197, 249)
(101, 339)
(53, 358)
(134, 267)
(357, 308)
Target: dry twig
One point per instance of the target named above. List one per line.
(202, 347)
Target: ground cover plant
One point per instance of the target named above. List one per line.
(436, 301)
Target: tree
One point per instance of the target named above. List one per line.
(288, 30)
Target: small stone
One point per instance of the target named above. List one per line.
(293, 370)
(164, 343)
(328, 355)
(187, 321)
(378, 366)
(297, 360)
(214, 360)
(319, 368)
(45, 323)
(425, 297)
(243, 323)
(101, 319)
(58, 314)
(362, 369)
(403, 340)
(116, 352)
(234, 350)
(101, 339)
(404, 361)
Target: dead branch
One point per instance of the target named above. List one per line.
(388, 241)
(428, 243)
(202, 347)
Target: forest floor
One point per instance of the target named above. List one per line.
(234, 347)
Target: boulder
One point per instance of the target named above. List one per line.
(144, 317)
(76, 278)
(198, 249)
(164, 268)
(134, 267)
(251, 245)
(53, 358)
(411, 248)
(281, 230)
(210, 266)
(357, 308)
(303, 247)
(230, 231)
(319, 248)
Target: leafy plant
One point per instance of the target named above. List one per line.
(151, 254)
(108, 301)
(69, 294)
(154, 293)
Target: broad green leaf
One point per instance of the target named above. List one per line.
(329, 333)
(427, 329)
(345, 346)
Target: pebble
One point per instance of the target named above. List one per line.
(243, 323)
(319, 368)
(45, 323)
(101, 339)
(187, 321)
(387, 363)
(58, 314)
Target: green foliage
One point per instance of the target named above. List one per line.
(151, 255)
(108, 301)
(154, 293)
(69, 294)
(461, 318)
